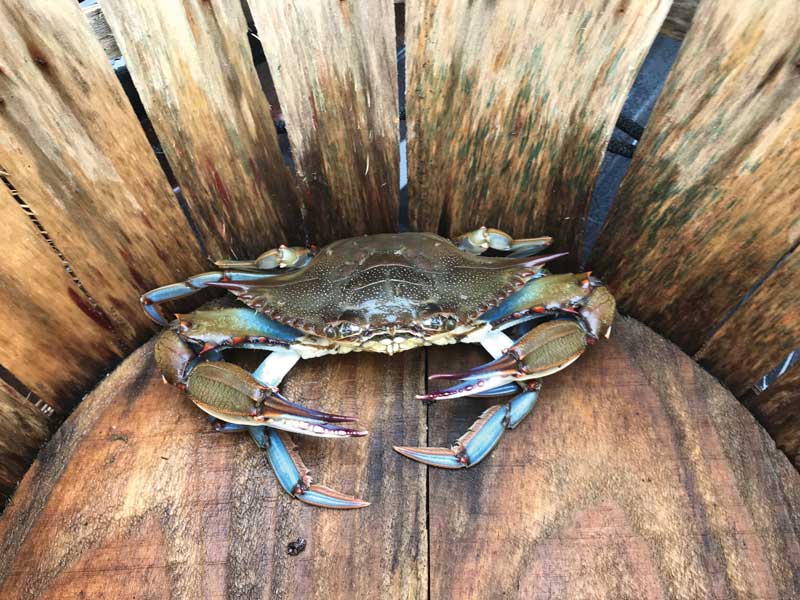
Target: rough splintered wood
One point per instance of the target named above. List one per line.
(778, 409)
(23, 429)
(193, 68)
(335, 71)
(636, 476)
(55, 342)
(710, 202)
(511, 105)
(137, 496)
(757, 337)
(73, 148)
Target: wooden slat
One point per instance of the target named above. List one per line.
(137, 496)
(73, 148)
(679, 19)
(23, 429)
(511, 105)
(710, 202)
(193, 69)
(760, 333)
(636, 476)
(54, 341)
(335, 71)
(778, 410)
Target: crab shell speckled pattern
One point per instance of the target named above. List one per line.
(388, 291)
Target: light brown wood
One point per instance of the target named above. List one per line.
(335, 72)
(137, 497)
(54, 340)
(760, 334)
(193, 69)
(23, 429)
(710, 202)
(74, 150)
(636, 476)
(511, 105)
(778, 409)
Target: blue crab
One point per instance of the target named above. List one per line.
(381, 293)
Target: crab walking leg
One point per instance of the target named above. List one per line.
(475, 445)
(294, 476)
(480, 240)
(282, 257)
(152, 300)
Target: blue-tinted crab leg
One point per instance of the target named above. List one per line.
(223, 427)
(152, 299)
(294, 476)
(480, 240)
(274, 368)
(475, 445)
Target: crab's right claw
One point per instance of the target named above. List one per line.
(228, 392)
(293, 474)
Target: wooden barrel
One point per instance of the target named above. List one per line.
(637, 475)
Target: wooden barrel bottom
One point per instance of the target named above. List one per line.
(636, 476)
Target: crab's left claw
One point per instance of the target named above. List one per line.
(293, 475)
(475, 445)
(543, 351)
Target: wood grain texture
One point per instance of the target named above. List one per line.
(335, 72)
(54, 341)
(679, 19)
(23, 429)
(137, 496)
(99, 25)
(636, 476)
(193, 68)
(778, 409)
(511, 105)
(757, 337)
(75, 152)
(710, 202)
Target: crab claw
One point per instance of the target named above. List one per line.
(293, 475)
(542, 351)
(228, 392)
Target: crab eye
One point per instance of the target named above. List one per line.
(347, 329)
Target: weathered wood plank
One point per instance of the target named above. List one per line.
(23, 429)
(101, 30)
(193, 69)
(636, 476)
(73, 148)
(760, 333)
(679, 19)
(710, 202)
(335, 71)
(54, 341)
(510, 107)
(778, 409)
(137, 496)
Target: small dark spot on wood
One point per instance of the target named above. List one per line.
(296, 547)
(164, 458)
(118, 437)
(40, 61)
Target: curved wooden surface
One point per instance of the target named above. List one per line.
(636, 476)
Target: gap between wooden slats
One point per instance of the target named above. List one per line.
(192, 66)
(709, 204)
(335, 72)
(510, 107)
